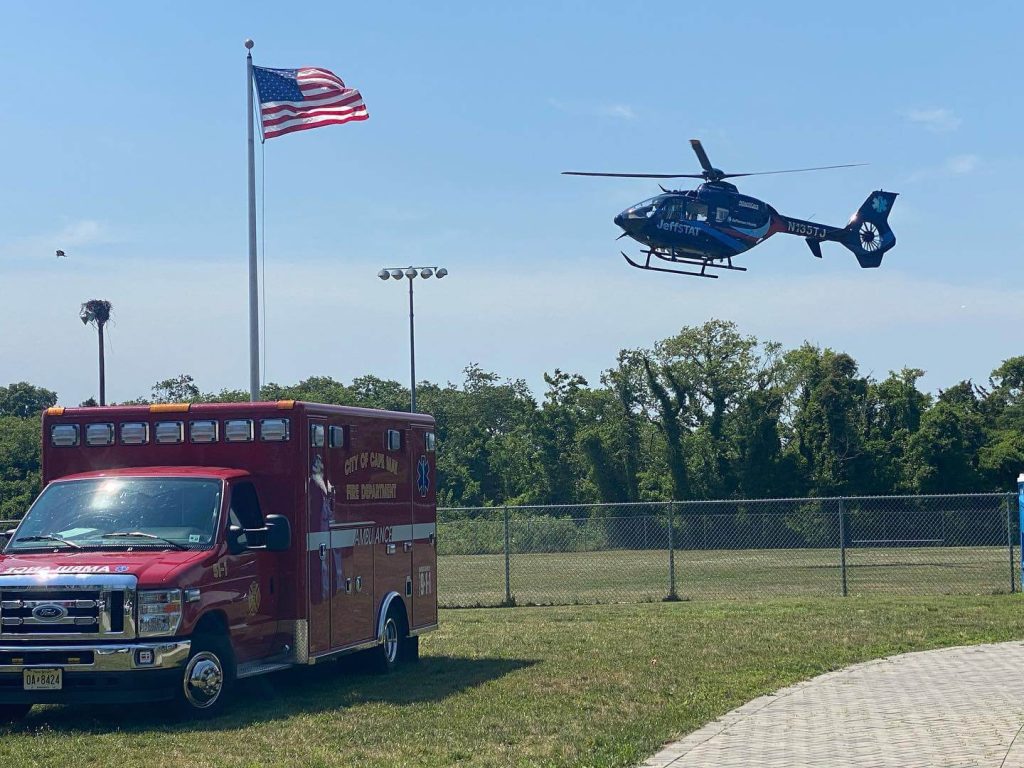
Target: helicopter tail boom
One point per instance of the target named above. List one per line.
(868, 235)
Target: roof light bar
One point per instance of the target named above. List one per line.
(238, 431)
(99, 434)
(275, 430)
(203, 431)
(134, 433)
(170, 432)
(64, 435)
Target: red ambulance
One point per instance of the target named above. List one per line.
(177, 548)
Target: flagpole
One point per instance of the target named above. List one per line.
(254, 316)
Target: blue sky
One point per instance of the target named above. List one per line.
(124, 137)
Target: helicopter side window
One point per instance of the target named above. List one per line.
(696, 212)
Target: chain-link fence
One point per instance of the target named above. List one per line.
(603, 553)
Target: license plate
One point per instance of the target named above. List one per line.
(43, 679)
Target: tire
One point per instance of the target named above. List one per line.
(391, 652)
(207, 679)
(412, 649)
(11, 713)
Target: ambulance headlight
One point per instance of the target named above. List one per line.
(159, 612)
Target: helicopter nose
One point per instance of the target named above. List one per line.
(620, 220)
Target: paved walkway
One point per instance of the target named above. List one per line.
(950, 708)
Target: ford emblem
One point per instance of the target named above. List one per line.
(49, 612)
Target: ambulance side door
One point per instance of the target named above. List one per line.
(319, 509)
(248, 575)
(352, 616)
(422, 456)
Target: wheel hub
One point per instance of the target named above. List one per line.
(391, 640)
(204, 680)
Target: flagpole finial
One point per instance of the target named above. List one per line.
(249, 43)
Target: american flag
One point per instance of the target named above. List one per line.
(299, 99)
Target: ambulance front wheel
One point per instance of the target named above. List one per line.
(207, 678)
(392, 650)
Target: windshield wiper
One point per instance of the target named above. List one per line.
(140, 534)
(48, 537)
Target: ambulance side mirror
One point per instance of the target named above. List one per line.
(279, 533)
(234, 539)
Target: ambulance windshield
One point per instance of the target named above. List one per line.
(121, 512)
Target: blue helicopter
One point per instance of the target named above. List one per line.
(706, 227)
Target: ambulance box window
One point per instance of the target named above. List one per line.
(275, 430)
(170, 432)
(337, 437)
(203, 431)
(99, 434)
(64, 435)
(393, 440)
(238, 431)
(430, 442)
(134, 433)
(316, 435)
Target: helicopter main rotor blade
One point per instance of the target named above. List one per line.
(792, 170)
(637, 175)
(702, 156)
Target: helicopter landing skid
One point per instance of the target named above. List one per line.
(703, 264)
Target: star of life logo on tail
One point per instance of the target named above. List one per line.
(423, 475)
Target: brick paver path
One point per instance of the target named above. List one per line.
(950, 708)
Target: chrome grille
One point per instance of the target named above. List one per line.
(30, 612)
(92, 606)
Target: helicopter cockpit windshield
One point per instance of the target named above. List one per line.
(645, 209)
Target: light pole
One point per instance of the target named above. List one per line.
(412, 273)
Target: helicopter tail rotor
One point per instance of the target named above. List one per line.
(868, 235)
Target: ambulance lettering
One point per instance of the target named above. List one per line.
(25, 570)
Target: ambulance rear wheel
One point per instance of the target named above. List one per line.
(392, 649)
(10, 713)
(207, 678)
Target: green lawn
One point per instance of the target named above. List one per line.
(610, 576)
(566, 686)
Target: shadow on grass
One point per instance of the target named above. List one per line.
(304, 690)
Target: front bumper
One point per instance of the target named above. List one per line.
(95, 673)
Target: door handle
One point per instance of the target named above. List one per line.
(348, 586)
(323, 552)
(391, 549)
(407, 546)
(359, 583)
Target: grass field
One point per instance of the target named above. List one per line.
(563, 686)
(642, 575)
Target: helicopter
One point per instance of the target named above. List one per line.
(706, 227)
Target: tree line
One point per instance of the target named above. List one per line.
(709, 413)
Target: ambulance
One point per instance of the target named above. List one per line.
(178, 548)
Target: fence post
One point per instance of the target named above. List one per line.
(842, 545)
(508, 563)
(1009, 542)
(672, 596)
